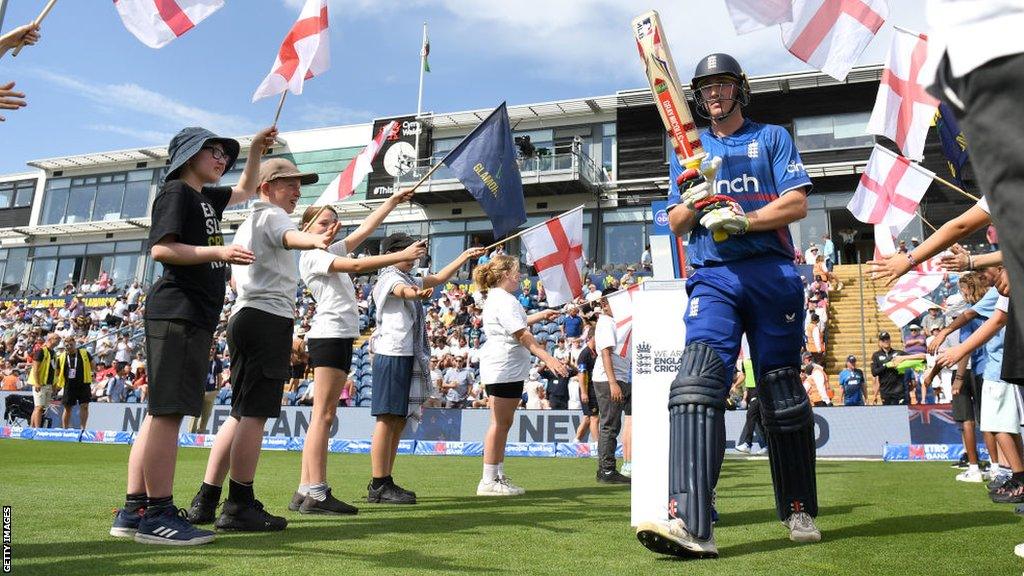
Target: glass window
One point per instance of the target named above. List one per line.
(72, 249)
(14, 272)
(414, 229)
(65, 272)
(809, 229)
(43, 273)
(44, 251)
(832, 132)
(123, 270)
(108, 202)
(623, 243)
(136, 245)
(25, 192)
(54, 205)
(444, 249)
(608, 146)
(136, 199)
(100, 248)
(80, 204)
(6, 197)
(140, 176)
(439, 226)
(58, 183)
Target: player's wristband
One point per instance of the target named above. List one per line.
(970, 263)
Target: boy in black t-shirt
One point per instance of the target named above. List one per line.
(182, 311)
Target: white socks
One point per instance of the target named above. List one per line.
(303, 489)
(319, 491)
(491, 472)
(972, 467)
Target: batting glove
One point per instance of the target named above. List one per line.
(696, 185)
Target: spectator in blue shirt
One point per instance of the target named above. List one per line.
(572, 324)
(851, 380)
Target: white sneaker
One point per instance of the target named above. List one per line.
(671, 537)
(1019, 550)
(627, 469)
(743, 448)
(970, 476)
(761, 450)
(801, 528)
(498, 487)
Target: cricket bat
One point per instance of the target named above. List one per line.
(668, 96)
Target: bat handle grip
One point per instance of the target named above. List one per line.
(720, 236)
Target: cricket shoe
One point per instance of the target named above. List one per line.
(801, 528)
(1019, 550)
(500, 486)
(671, 537)
(248, 517)
(975, 476)
(169, 526)
(329, 505)
(126, 523)
(743, 448)
(627, 469)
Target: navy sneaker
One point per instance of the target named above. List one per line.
(168, 526)
(126, 523)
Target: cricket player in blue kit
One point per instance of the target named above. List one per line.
(752, 187)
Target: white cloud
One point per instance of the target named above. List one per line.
(316, 115)
(145, 137)
(166, 111)
(590, 41)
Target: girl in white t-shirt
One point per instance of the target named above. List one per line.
(505, 363)
(330, 338)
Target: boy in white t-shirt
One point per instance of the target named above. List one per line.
(401, 365)
(612, 374)
(260, 341)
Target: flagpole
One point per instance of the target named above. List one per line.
(954, 187)
(927, 223)
(532, 228)
(36, 22)
(280, 105)
(419, 98)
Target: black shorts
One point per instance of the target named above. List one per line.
(260, 345)
(177, 359)
(591, 408)
(298, 371)
(330, 353)
(509, 390)
(967, 404)
(78, 393)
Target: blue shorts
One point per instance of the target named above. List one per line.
(762, 298)
(392, 381)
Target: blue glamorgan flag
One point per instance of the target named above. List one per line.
(485, 163)
(954, 144)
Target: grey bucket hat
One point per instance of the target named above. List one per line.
(190, 141)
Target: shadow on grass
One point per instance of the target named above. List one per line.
(917, 524)
(547, 510)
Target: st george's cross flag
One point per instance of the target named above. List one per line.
(831, 35)
(555, 249)
(157, 22)
(889, 190)
(305, 53)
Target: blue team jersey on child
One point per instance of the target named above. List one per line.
(759, 164)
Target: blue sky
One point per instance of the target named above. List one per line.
(93, 87)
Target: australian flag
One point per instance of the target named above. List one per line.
(954, 143)
(485, 163)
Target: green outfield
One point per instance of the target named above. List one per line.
(877, 518)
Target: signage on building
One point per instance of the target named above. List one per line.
(397, 155)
